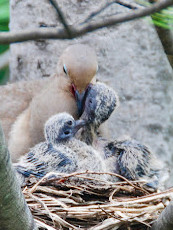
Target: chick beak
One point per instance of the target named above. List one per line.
(79, 124)
(80, 99)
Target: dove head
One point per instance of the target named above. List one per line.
(78, 65)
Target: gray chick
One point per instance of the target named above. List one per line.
(49, 155)
(127, 157)
(61, 152)
(100, 102)
(134, 161)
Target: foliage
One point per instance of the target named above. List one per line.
(163, 18)
(4, 21)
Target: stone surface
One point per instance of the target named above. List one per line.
(131, 60)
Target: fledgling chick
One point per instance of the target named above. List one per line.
(61, 152)
(100, 102)
(35, 102)
(127, 157)
(135, 161)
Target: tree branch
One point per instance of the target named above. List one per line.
(131, 6)
(14, 212)
(97, 12)
(76, 31)
(61, 17)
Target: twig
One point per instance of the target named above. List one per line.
(63, 222)
(109, 214)
(77, 30)
(43, 204)
(132, 6)
(111, 174)
(42, 224)
(97, 12)
(61, 17)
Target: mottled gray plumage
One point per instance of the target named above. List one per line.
(100, 102)
(127, 157)
(134, 161)
(61, 152)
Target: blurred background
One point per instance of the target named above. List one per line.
(163, 22)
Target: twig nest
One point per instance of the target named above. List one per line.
(78, 200)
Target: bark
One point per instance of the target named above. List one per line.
(166, 38)
(14, 212)
(165, 220)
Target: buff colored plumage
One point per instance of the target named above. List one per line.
(25, 106)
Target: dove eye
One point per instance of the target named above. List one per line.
(65, 69)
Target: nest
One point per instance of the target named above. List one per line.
(77, 200)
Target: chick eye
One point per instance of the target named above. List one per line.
(90, 101)
(110, 146)
(66, 132)
(65, 69)
(69, 123)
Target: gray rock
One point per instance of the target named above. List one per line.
(131, 60)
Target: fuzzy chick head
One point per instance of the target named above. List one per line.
(100, 102)
(61, 127)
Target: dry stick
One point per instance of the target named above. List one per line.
(91, 208)
(111, 195)
(63, 222)
(35, 186)
(128, 4)
(97, 12)
(147, 198)
(55, 201)
(53, 216)
(142, 222)
(61, 16)
(120, 2)
(99, 173)
(44, 205)
(56, 192)
(77, 30)
(109, 214)
(42, 224)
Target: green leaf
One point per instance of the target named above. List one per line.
(4, 21)
(163, 18)
(4, 75)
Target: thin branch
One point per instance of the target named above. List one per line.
(132, 6)
(61, 17)
(97, 12)
(76, 31)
